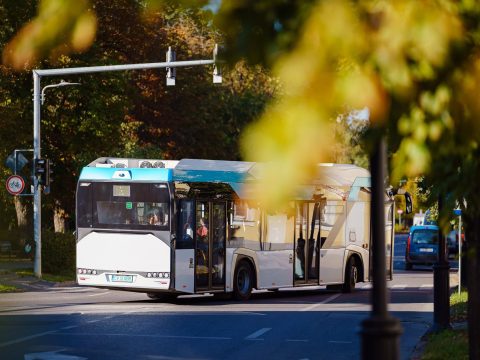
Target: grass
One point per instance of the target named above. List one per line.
(458, 306)
(450, 344)
(47, 277)
(8, 289)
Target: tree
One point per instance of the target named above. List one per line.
(134, 114)
(413, 64)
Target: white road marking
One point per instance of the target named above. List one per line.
(399, 286)
(256, 334)
(68, 327)
(149, 335)
(327, 300)
(426, 287)
(339, 342)
(25, 338)
(52, 355)
(296, 340)
(367, 286)
(99, 294)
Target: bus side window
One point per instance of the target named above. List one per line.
(185, 225)
(244, 225)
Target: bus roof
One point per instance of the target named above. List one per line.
(350, 178)
(345, 179)
(193, 170)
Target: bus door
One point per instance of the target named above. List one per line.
(210, 234)
(307, 243)
(184, 247)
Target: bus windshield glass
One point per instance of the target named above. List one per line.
(136, 206)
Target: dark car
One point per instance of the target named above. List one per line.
(422, 246)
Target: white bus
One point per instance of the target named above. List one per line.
(169, 228)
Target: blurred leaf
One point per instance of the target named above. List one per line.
(59, 23)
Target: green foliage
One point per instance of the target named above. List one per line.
(8, 288)
(58, 253)
(126, 114)
(458, 306)
(449, 344)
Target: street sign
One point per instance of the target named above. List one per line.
(15, 184)
(457, 212)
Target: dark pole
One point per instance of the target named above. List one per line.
(380, 332)
(441, 284)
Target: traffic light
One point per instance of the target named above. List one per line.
(43, 171)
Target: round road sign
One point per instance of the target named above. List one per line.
(15, 184)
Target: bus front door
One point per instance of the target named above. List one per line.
(185, 247)
(210, 236)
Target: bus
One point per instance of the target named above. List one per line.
(169, 228)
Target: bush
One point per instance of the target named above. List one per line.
(58, 253)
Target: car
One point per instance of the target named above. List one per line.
(422, 246)
(452, 241)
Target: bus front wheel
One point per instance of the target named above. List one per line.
(351, 276)
(243, 281)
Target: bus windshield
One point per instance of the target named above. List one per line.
(136, 206)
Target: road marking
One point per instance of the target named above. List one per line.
(426, 287)
(327, 300)
(52, 355)
(256, 334)
(399, 286)
(25, 338)
(296, 340)
(68, 327)
(367, 286)
(150, 336)
(100, 294)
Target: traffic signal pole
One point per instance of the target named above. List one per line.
(37, 75)
(37, 190)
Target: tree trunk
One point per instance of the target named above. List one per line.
(60, 219)
(473, 268)
(21, 210)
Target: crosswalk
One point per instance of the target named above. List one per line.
(367, 286)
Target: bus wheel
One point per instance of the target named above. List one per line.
(243, 281)
(351, 276)
(161, 296)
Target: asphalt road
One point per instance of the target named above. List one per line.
(85, 323)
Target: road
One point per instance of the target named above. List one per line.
(85, 323)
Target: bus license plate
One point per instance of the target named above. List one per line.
(122, 278)
(426, 250)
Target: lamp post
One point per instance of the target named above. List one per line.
(441, 283)
(380, 332)
(38, 100)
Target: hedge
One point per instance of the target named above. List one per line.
(58, 253)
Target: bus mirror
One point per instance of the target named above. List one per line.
(408, 203)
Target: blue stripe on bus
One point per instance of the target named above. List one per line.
(137, 174)
(210, 176)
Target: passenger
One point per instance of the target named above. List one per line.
(155, 218)
(202, 229)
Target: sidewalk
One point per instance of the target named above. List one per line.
(25, 283)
